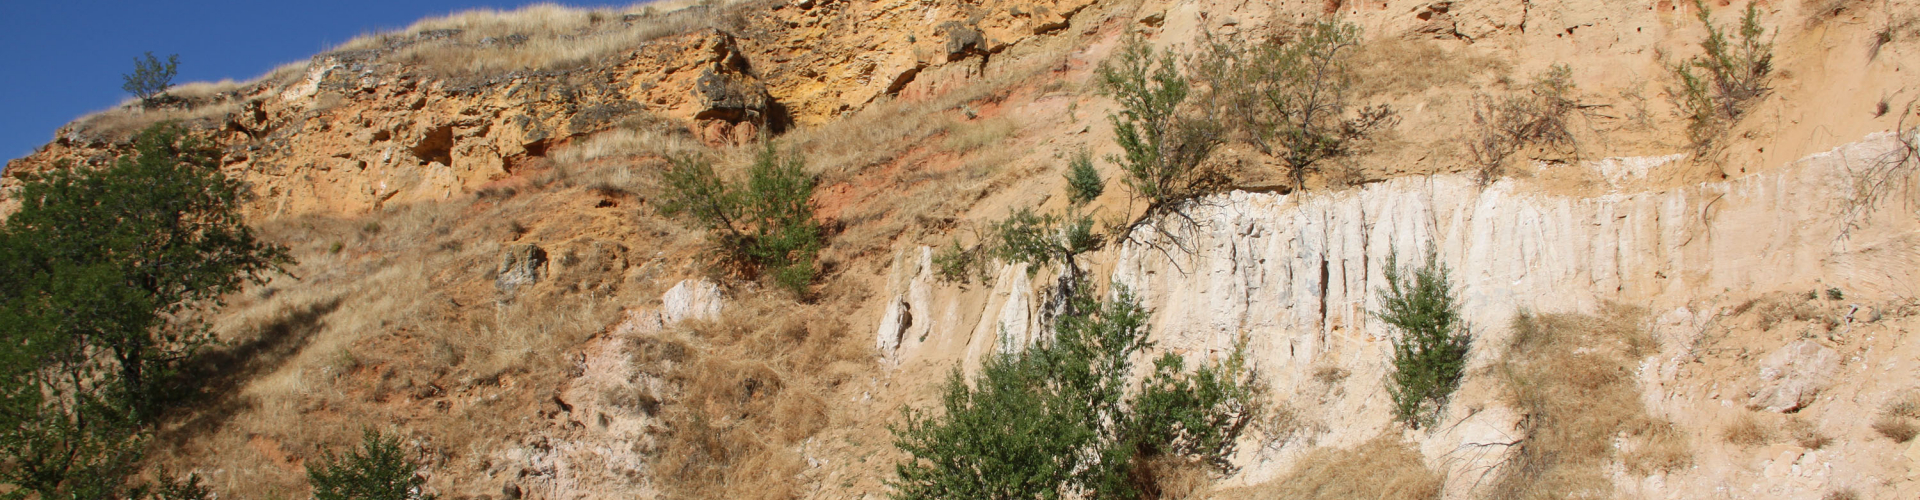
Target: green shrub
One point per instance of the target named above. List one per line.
(1038, 240)
(1536, 116)
(1731, 75)
(1055, 421)
(765, 223)
(1430, 354)
(379, 470)
(957, 264)
(1290, 99)
(1163, 143)
(1083, 181)
(150, 78)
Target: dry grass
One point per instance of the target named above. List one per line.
(747, 388)
(1394, 66)
(1904, 405)
(1572, 378)
(1385, 468)
(1746, 430)
(1842, 494)
(640, 140)
(197, 101)
(1900, 430)
(1806, 435)
(540, 37)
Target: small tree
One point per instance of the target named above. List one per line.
(379, 470)
(1732, 74)
(766, 222)
(1163, 144)
(150, 78)
(1038, 240)
(1083, 181)
(99, 269)
(1055, 420)
(1290, 99)
(1430, 354)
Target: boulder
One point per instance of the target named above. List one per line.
(521, 265)
(1793, 375)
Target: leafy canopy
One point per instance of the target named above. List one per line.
(1430, 354)
(150, 77)
(100, 269)
(379, 470)
(766, 223)
(1056, 420)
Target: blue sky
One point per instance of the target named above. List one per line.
(60, 59)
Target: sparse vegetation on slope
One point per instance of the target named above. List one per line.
(378, 470)
(1162, 140)
(541, 37)
(1572, 378)
(150, 78)
(1536, 115)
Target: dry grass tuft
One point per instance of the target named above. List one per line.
(1806, 434)
(1905, 405)
(1746, 430)
(1842, 494)
(1572, 378)
(1385, 468)
(1900, 430)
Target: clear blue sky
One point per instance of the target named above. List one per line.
(60, 59)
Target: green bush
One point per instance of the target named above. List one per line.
(1163, 142)
(1430, 354)
(379, 470)
(1290, 99)
(1038, 240)
(102, 271)
(1055, 420)
(150, 78)
(765, 223)
(1083, 181)
(1731, 75)
(958, 264)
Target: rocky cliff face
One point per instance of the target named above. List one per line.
(537, 335)
(1298, 277)
(364, 127)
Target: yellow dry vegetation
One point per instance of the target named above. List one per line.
(1384, 468)
(744, 391)
(539, 37)
(1572, 378)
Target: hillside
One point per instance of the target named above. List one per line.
(484, 266)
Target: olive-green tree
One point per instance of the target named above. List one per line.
(99, 270)
(765, 222)
(1057, 420)
(1290, 98)
(151, 77)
